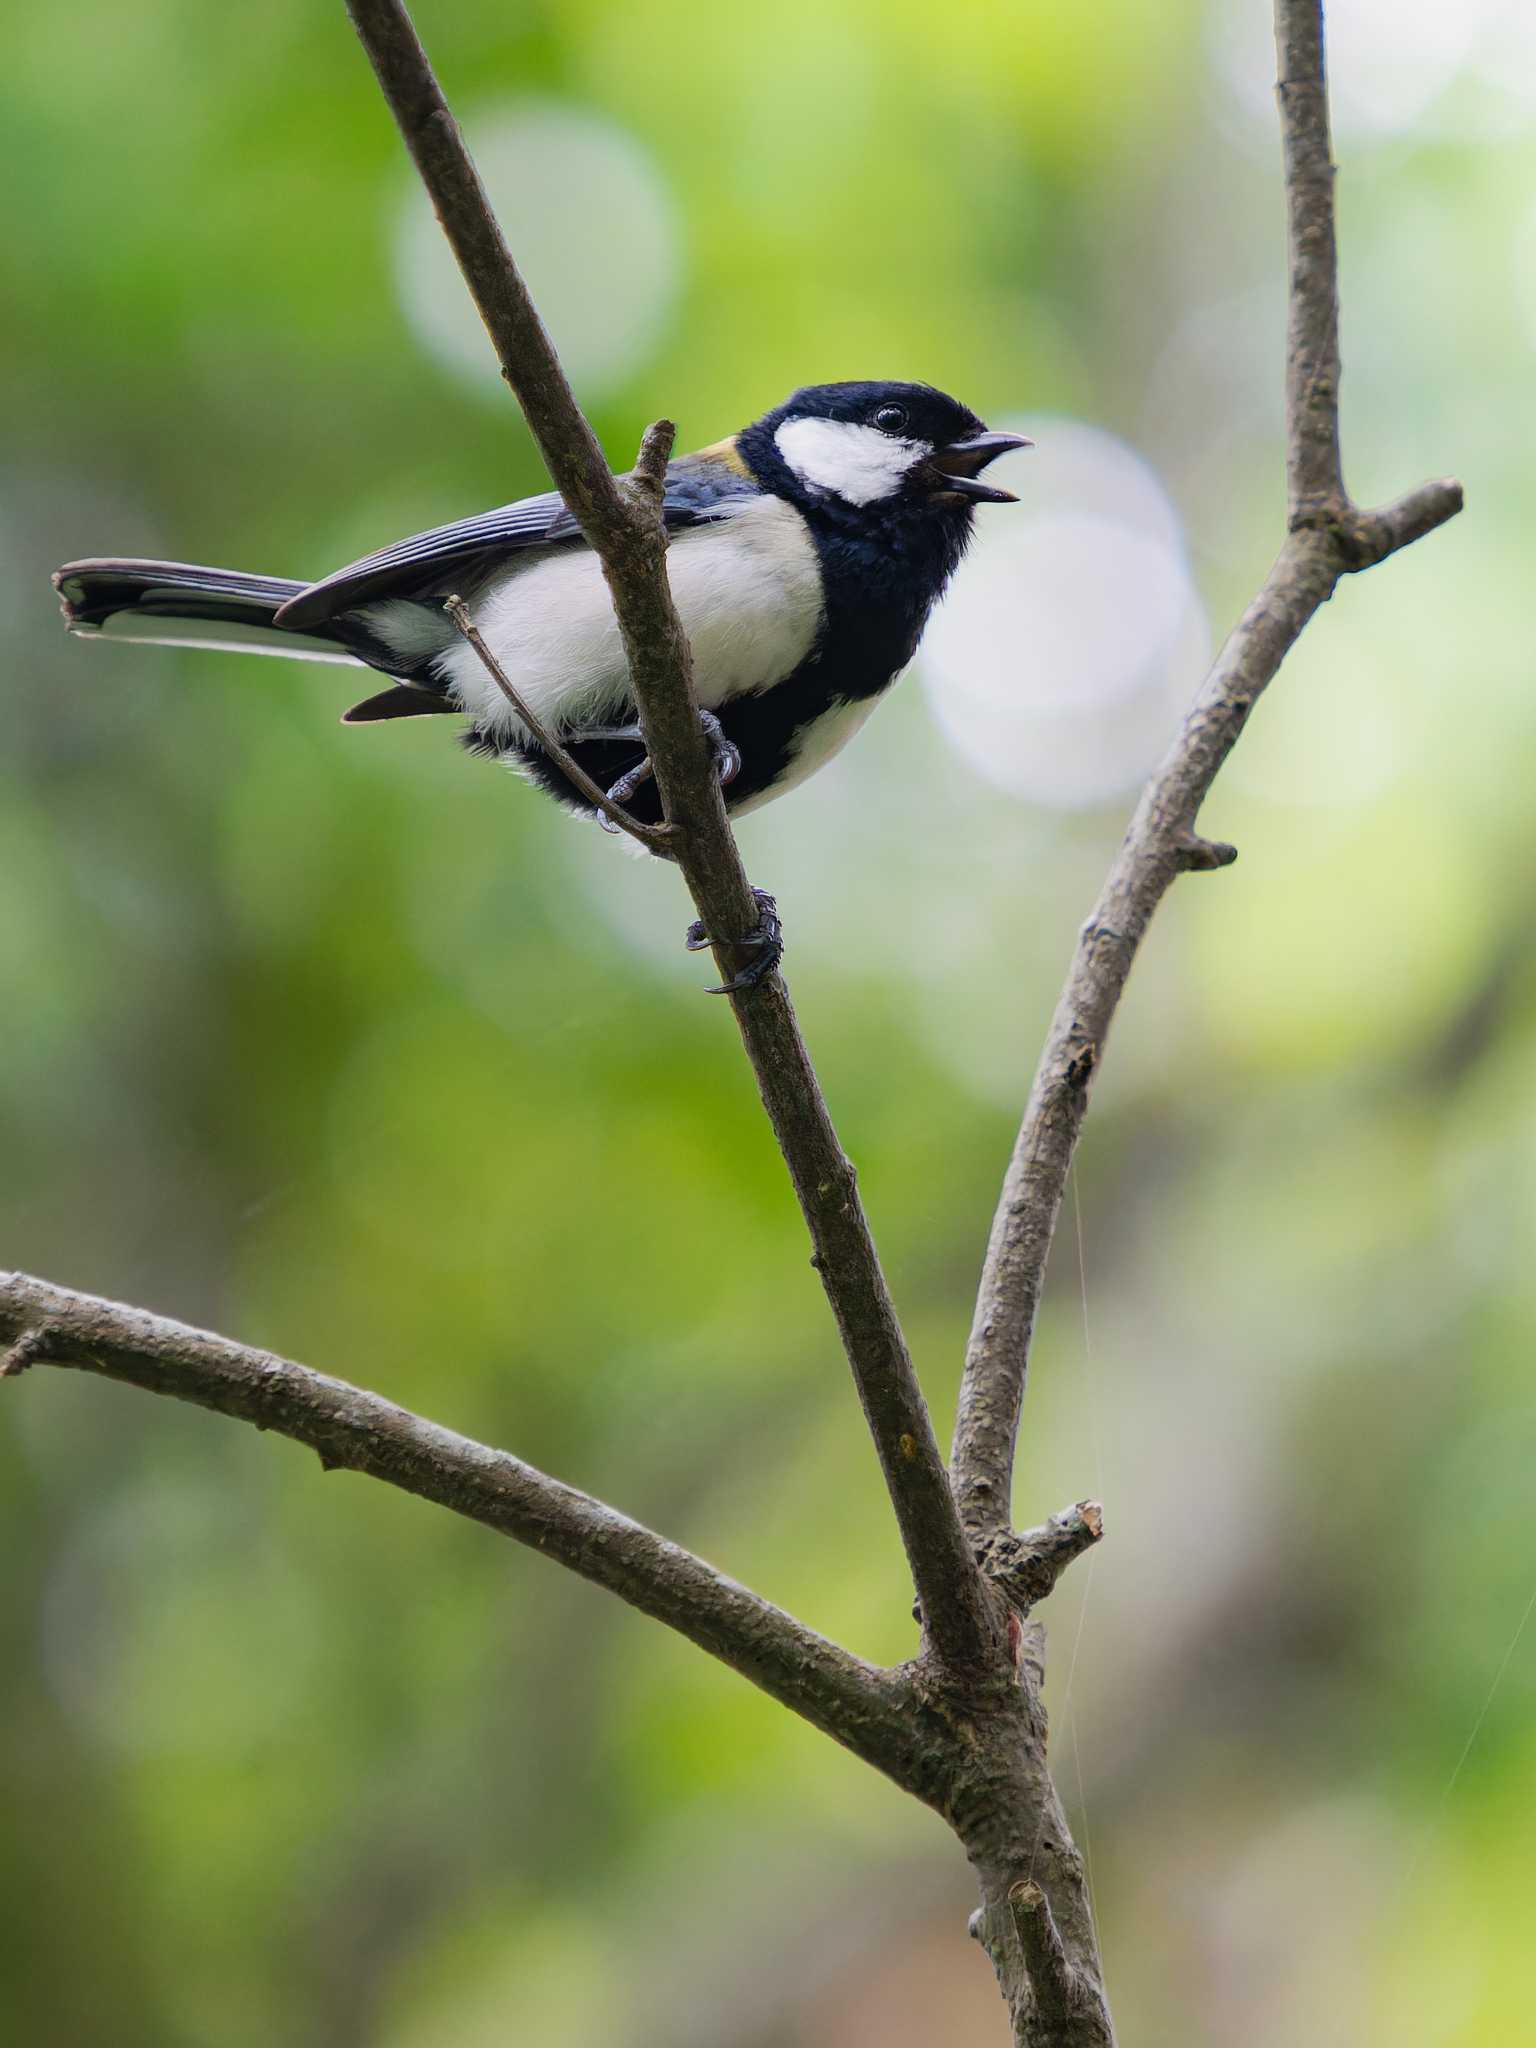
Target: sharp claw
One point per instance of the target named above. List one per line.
(767, 935)
(725, 753)
(755, 971)
(625, 787)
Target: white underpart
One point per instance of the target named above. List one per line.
(858, 464)
(747, 588)
(815, 744)
(226, 635)
(409, 629)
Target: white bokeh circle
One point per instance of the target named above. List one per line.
(1396, 70)
(597, 237)
(1073, 632)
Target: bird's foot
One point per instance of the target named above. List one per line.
(767, 935)
(725, 755)
(621, 791)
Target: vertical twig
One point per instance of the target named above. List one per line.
(1314, 474)
(1329, 537)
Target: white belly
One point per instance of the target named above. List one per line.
(747, 588)
(815, 744)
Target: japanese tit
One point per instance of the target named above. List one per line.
(806, 555)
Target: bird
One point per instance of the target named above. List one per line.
(805, 555)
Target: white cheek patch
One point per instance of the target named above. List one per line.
(856, 463)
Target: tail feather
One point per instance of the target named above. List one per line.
(406, 700)
(179, 604)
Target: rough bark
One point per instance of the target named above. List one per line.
(624, 526)
(353, 1430)
(1328, 537)
(962, 1727)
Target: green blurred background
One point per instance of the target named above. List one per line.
(353, 1047)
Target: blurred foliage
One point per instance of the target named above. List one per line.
(349, 1045)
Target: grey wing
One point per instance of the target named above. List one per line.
(416, 563)
(696, 490)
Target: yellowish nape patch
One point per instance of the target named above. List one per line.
(726, 453)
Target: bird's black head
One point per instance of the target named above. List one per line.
(874, 446)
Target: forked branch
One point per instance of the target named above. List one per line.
(974, 1747)
(1328, 538)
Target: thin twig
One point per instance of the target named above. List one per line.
(648, 479)
(622, 524)
(348, 1427)
(973, 1749)
(1329, 537)
(1314, 471)
(29, 1348)
(654, 838)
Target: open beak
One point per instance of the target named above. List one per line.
(959, 464)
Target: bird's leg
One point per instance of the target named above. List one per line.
(723, 752)
(767, 935)
(725, 755)
(621, 791)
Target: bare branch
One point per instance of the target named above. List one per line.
(1025, 1565)
(1065, 2013)
(1048, 1969)
(856, 1703)
(29, 1349)
(652, 837)
(622, 524)
(1329, 538)
(648, 478)
(963, 1729)
(1314, 475)
(1373, 536)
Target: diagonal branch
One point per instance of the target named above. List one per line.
(654, 838)
(856, 1703)
(622, 523)
(1328, 538)
(1025, 1564)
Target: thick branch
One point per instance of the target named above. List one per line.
(1329, 537)
(854, 1702)
(1015, 1833)
(1066, 2010)
(622, 524)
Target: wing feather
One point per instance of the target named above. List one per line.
(411, 563)
(698, 488)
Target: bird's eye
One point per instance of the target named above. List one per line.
(891, 419)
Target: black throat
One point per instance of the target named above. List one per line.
(884, 566)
